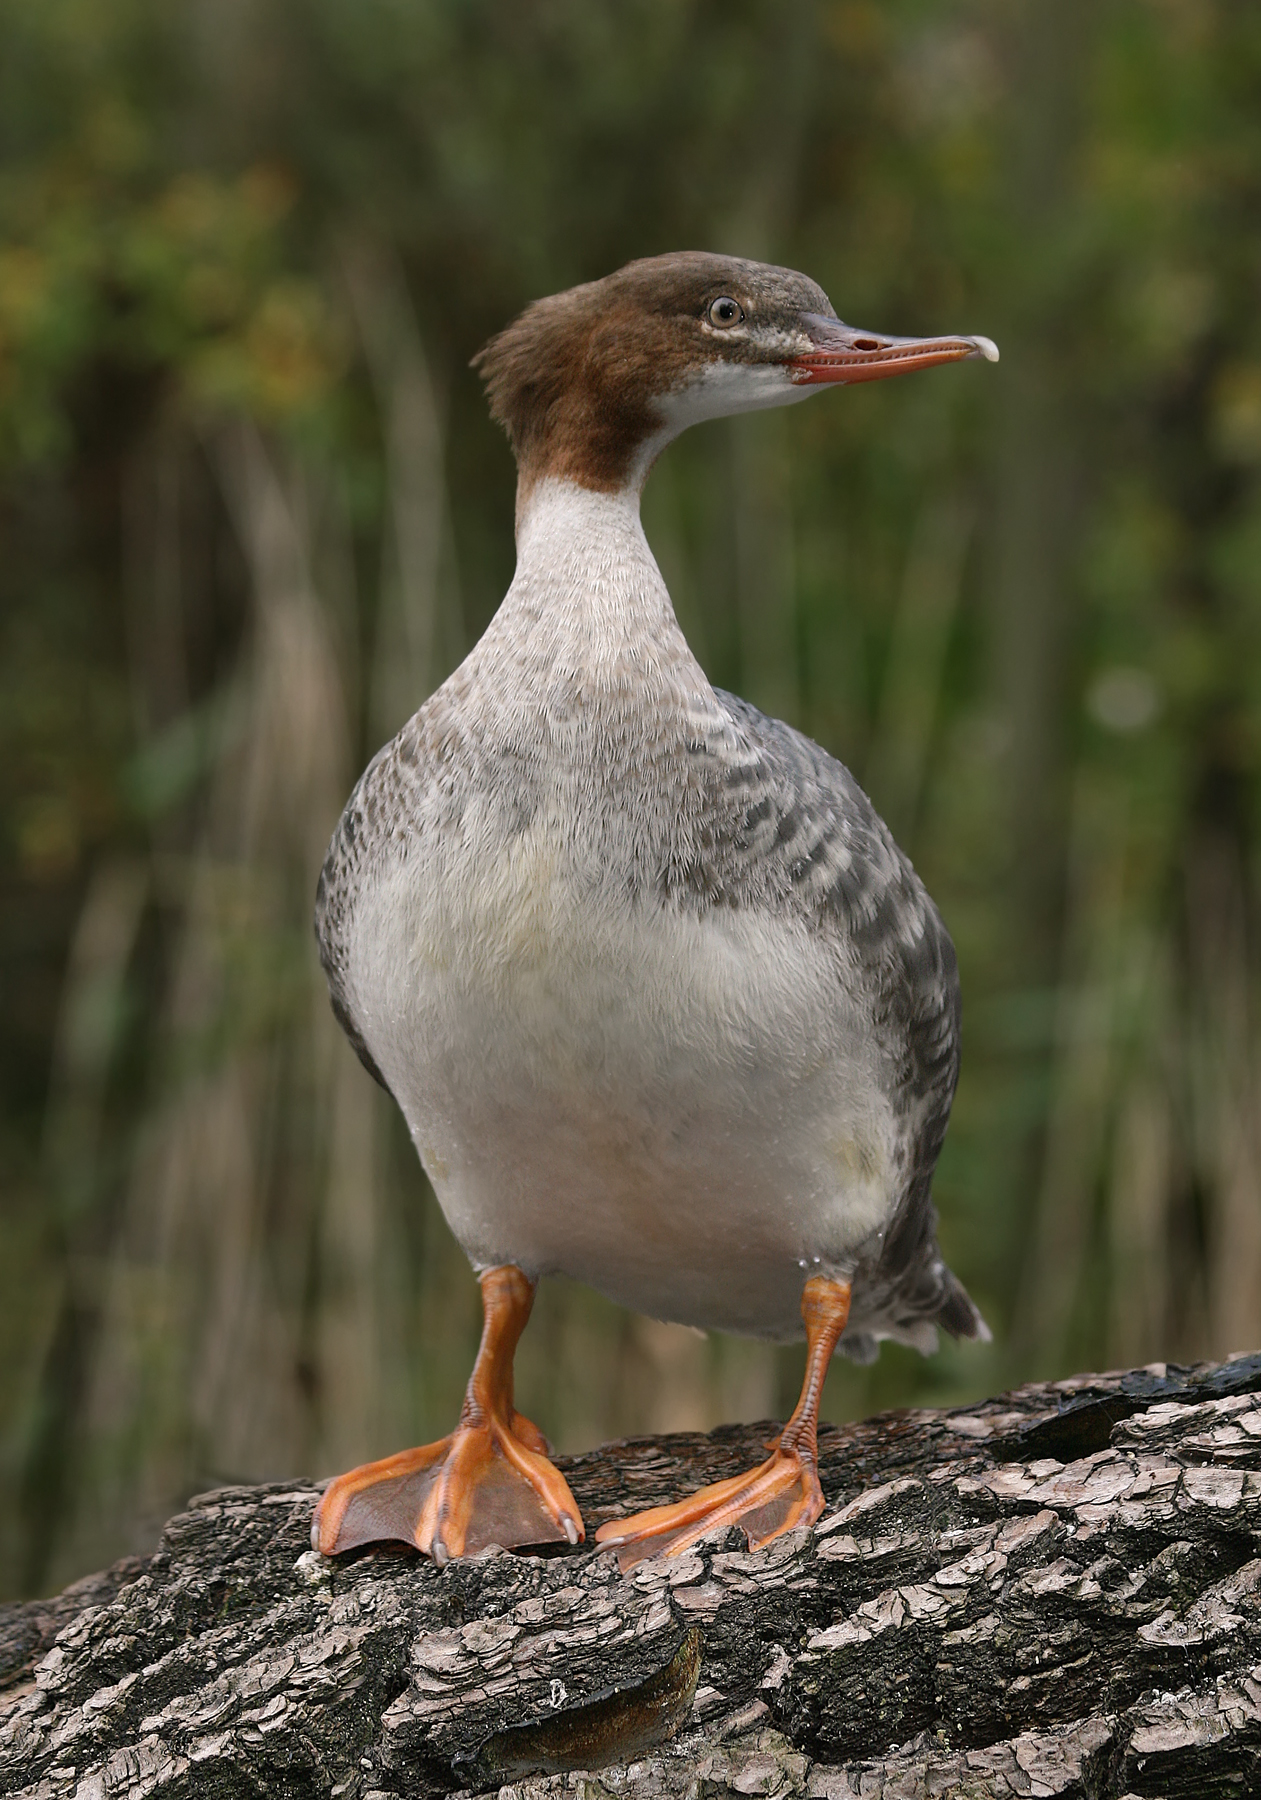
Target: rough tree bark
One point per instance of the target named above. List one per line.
(1057, 1592)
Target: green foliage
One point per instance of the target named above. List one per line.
(253, 510)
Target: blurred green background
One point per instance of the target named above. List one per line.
(253, 510)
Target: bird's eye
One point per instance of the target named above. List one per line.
(725, 311)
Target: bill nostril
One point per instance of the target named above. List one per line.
(867, 343)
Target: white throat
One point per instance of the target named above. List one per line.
(561, 519)
(719, 391)
(584, 554)
(587, 614)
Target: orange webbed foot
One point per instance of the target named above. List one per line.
(489, 1482)
(779, 1494)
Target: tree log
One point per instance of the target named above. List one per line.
(1057, 1592)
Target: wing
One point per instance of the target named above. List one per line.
(349, 853)
(803, 832)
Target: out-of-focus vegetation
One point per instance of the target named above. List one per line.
(253, 510)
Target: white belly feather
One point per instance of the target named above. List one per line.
(679, 1110)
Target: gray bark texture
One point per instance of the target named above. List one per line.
(1057, 1592)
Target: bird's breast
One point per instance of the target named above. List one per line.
(603, 1082)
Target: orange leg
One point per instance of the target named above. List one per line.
(782, 1492)
(490, 1482)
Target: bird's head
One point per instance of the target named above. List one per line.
(591, 384)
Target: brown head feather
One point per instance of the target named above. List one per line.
(573, 379)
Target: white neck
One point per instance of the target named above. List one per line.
(588, 614)
(558, 516)
(584, 562)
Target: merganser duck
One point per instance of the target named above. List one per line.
(665, 1007)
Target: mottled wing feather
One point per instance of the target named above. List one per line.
(339, 878)
(807, 830)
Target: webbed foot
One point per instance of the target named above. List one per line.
(780, 1493)
(489, 1482)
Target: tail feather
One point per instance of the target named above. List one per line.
(910, 1292)
(958, 1313)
